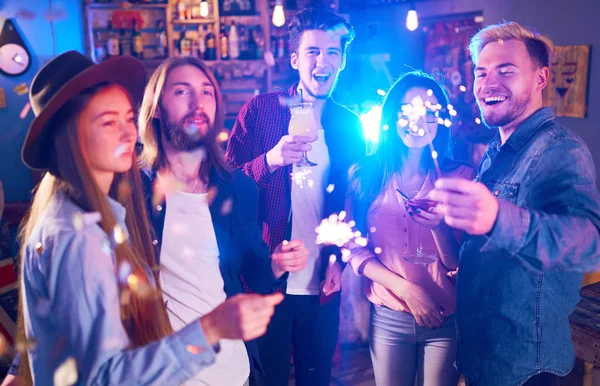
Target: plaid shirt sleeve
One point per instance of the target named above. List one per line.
(241, 149)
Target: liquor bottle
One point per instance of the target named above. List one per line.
(112, 43)
(243, 38)
(180, 10)
(124, 44)
(161, 40)
(185, 44)
(280, 46)
(201, 42)
(211, 45)
(99, 49)
(234, 47)
(196, 9)
(259, 41)
(224, 43)
(137, 43)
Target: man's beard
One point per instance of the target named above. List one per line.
(186, 137)
(306, 88)
(515, 108)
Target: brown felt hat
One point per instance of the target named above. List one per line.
(61, 79)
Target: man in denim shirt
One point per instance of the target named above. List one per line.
(531, 216)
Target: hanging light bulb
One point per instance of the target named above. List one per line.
(412, 20)
(278, 15)
(204, 8)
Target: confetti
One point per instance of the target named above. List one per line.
(4, 346)
(125, 297)
(429, 92)
(178, 229)
(119, 235)
(3, 104)
(269, 59)
(66, 373)
(123, 190)
(478, 121)
(25, 110)
(188, 253)
(332, 259)
(377, 250)
(39, 247)
(330, 188)
(462, 88)
(346, 255)
(223, 136)
(373, 230)
(55, 14)
(385, 127)
(133, 282)
(78, 221)
(124, 272)
(25, 14)
(120, 150)
(21, 89)
(227, 207)
(106, 248)
(25, 345)
(194, 350)
(81, 219)
(42, 308)
(285, 242)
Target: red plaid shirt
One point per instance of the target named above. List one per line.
(259, 126)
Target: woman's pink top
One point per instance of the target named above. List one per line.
(393, 230)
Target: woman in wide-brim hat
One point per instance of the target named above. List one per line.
(90, 308)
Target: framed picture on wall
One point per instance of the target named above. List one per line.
(567, 88)
(237, 7)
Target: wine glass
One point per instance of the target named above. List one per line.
(420, 257)
(303, 123)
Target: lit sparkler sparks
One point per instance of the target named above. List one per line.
(335, 231)
(66, 374)
(300, 176)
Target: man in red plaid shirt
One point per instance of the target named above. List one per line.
(308, 318)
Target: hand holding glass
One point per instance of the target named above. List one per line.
(303, 123)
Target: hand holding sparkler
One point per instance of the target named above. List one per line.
(290, 256)
(466, 205)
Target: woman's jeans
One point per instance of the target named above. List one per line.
(401, 349)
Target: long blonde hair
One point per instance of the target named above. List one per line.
(144, 317)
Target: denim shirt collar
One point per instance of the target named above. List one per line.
(527, 129)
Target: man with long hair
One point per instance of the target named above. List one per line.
(261, 147)
(532, 216)
(207, 239)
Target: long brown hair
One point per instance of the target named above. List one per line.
(144, 317)
(371, 176)
(153, 155)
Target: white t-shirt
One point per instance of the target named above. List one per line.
(307, 212)
(192, 283)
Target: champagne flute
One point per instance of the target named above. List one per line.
(420, 257)
(303, 123)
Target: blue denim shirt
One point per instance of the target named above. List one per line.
(71, 298)
(517, 286)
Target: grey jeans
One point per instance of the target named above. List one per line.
(401, 350)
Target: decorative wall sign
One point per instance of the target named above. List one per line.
(15, 59)
(237, 7)
(567, 88)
